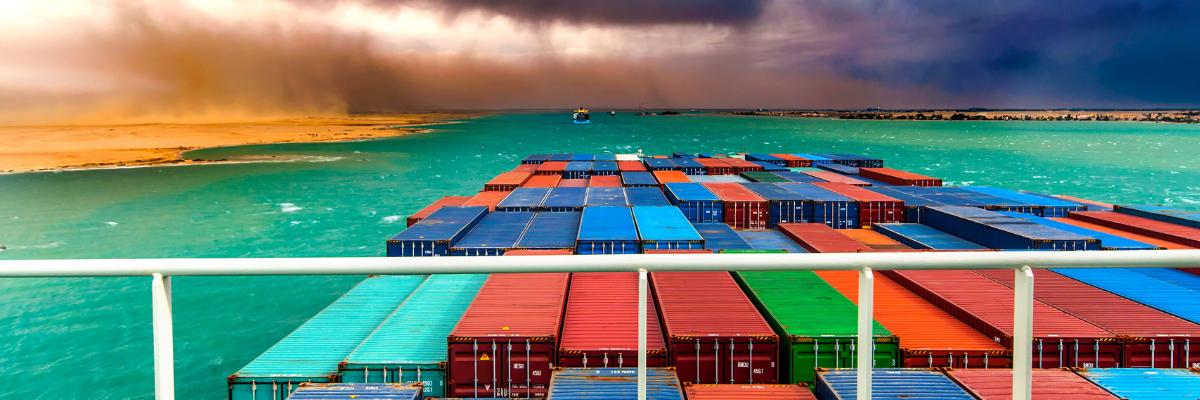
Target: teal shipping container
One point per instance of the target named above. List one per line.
(410, 346)
(312, 352)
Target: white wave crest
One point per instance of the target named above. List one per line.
(391, 219)
(289, 207)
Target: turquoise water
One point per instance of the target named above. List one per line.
(90, 338)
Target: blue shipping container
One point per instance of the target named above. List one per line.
(920, 236)
(496, 234)
(660, 164)
(583, 157)
(605, 168)
(607, 230)
(560, 157)
(680, 154)
(1171, 299)
(814, 158)
(1146, 383)
(524, 199)
(1107, 241)
(606, 196)
(577, 170)
(638, 179)
(536, 159)
(839, 168)
(435, 234)
(358, 391)
(797, 176)
(606, 157)
(1173, 276)
(613, 384)
(995, 203)
(829, 208)
(646, 196)
(997, 231)
(551, 231)
(695, 201)
(785, 206)
(930, 194)
(1086, 206)
(1051, 208)
(860, 161)
(770, 240)
(1163, 213)
(889, 383)
(719, 236)
(767, 158)
(565, 199)
(770, 167)
(665, 228)
(690, 166)
(914, 206)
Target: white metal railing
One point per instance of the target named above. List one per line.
(161, 271)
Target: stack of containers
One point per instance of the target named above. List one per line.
(605, 168)
(606, 157)
(820, 238)
(1143, 289)
(349, 391)
(872, 207)
(898, 177)
(784, 206)
(505, 345)
(536, 159)
(577, 183)
(767, 158)
(435, 234)
(763, 176)
(793, 161)
(1048, 384)
(768, 241)
(604, 181)
(814, 158)
(506, 182)
(1087, 205)
(716, 166)
(600, 328)
(564, 199)
(552, 168)
(606, 196)
(997, 231)
(665, 177)
(829, 208)
(583, 157)
(794, 176)
(613, 383)
(665, 228)
(1107, 241)
(914, 206)
(713, 331)
(486, 199)
(529, 168)
(539, 253)
(407, 347)
(919, 236)
(448, 201)
(718, 236)
(987, 306)
(749, 392)
(1050, 208)
(839, 168)
(646, 196)
(312, 352)
(696, 202)
(875, 240)
(546, 181)
(681, 154)
(790, 301)
(740, 165)
(912, 384)
(607, 230)
(769, 167)
(743, 208)
(855, 160)
(638, 179)
(835, 177)
(578, 170)
(523, 199)
(660, 164)
(690, 166)
(1092, 205)
(995, 203)
(631, 166)
(560, 157)
(1147, 383)
(943, 198)
(1180, 234)
(550, 231)
(496, 233)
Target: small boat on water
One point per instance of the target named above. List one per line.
(612, 113)
(581, 116)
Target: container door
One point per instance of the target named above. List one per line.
(750, 362)
(699, 361)
(476, 369)
(528, 369)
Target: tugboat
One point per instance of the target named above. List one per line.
(581, 116)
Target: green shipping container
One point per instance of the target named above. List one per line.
(763, 176)
(312, 352)
(410, 346)
(816, 324)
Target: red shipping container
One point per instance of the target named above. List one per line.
(749, 392)
(898, 177)
(506, 182)
(677, 251)
(820, 238)
(489, 199)
(600, 326)
(987, 306)
(505, 344)
(1184, 235)
(794, 161)
(573, 183)
(542, 180)
(1083, 200)
(872, 207)
(828, 176)
(539, 253)
(530, 168)
(1146, 332)
(1133, 236)
(740, 165)
(631, 166)
(715, 334)
(670, 177)
(448, 201)
(1048, 384)
(605, 181)
(551, 168)
(743, 208)
(716, 166)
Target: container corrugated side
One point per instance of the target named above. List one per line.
(605, 196)
(560, 157)
(631, 166)
(898, 177)
(364, 391)
(696, 202)
(496, 233)
(1173, 276)
(1120, 233)
(716, 166)
(749, 392)
(835, 177)
(740, 165)
(767, 158)
(875, 240)
(718, 236)
(1172, 215)
(814, 158)
(873, 207)
(763, 176)
(1161, 295)
(665, 228)
(769, 166)
(1184, 235)
(920, 236)
(914, 206)
(998, 231)
(607, 230)
(523, 252)
(536, 159)
(605, 168)
(660, 164)
(1107, 241)
(604, 181)
(646, 196)
(908, 384)
(794, 161)
(506, 345)
(600, 326)
(577, 170)
(1100, 205)
(794, 176)
(523, 199)
(862, 161)
(437, 233)
(770, 240)
(583, 157)
(1051, 208)
(820, 238)
(689, 166)
(613, 383)
(743, 208)
(546, 181)
(506, 182)
(551, 168)
(995, 203)
(665, 177)
(829, 208)
(839, 168)
(714, 332)
(1129, 383)
(638, 179)
(788, 300)
(407, 347)
(486, 199)
(550, 231)
(784, 206)
(312, 352)
(448, 201)
(1087, 205)
(564, 199)
(1048, 384)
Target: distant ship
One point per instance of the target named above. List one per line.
(612, 113)
(581, 116)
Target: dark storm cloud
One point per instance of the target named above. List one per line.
(602, 12)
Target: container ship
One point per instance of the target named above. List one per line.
(1100, 334)
(581, 116)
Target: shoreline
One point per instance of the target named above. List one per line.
(1164, 116)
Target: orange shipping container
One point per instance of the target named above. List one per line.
(489, 199)
(605, 181)
(898, 177)
(716, 166)
(506, 182)
(828, 176)
(794, 161)
(530, 168)
(875, 240)
(631, 166)
(664, 177)
(542, 180)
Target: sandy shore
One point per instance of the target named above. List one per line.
(37, 148)
(1169, 116)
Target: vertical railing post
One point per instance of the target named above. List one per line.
(866, 339)
(1023, 335)
(164, 343)
(643, 288)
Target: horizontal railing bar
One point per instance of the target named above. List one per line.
(597, 263)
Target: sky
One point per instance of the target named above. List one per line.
(74, 61)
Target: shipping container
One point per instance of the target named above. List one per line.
(605, 168)
(407, 346)
(505, 345)
(551, 168)
(1048, 384)
(872, 182)
(606, 157)
(576, 183)
(639, 179)
(767, 158)
(604, 181)
(789, 301)
(839, 168)
(1087, 206)
(716, 166)
(496, 233)
(1127, 235)
(920, 236)
(892, 383)
(693, 251)
(721, 179)
(769, 240)
(875, 240)
(665, 177)
(991, 202)
(536, 159)
(1152, 338)
(565, 199)
(448, 201)
(987, 306)
(696, 202)
(820, 238)
(665, 228)
(526, 168)
(560, 157)
(486, 199)
(793, 161)
(856, 160)
(835, 177)
(743, 208)
(872, 207)
(914, 206)
(646, 196)
(718, 236)
(1173, 276)
(997, 231)
(1051, 208)
(1089, 202)
(740, 165)
(523, 199)
(506, 182)
(794, 176)
(660, 164)
(763, 176)
(690, 166)
(578, 170)
(606, 196)
(1107, 241)
(544, 181)
(681, 154)
(539, 253)
(607, 230)
(1172, 215)
(714, 333)
(898, 177)
(749, 392)
(600, 328)
(550, 231)
(768, 167)
(784, 206)
(814, 158)
(945, 199)
(1137, 384)
(312, 352)
(437, 233)
(361, 391)
(613, 384)
(829, 208)
(711, 155)
(628, 157)
(583, 157)
(631, 166)
(1180, 234)
(1161, 295)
